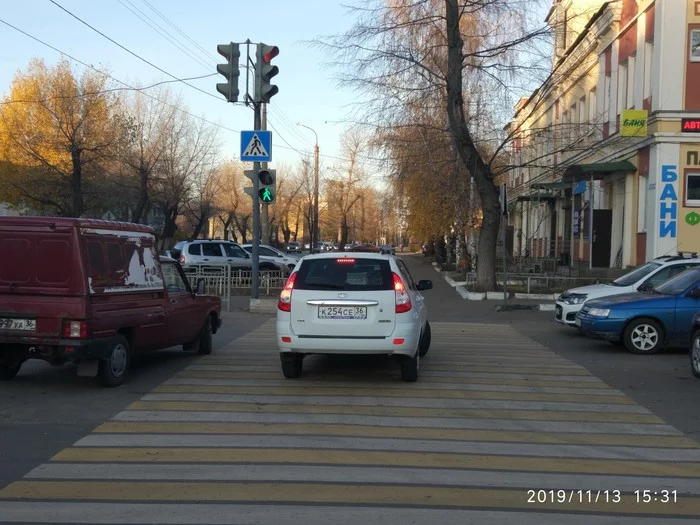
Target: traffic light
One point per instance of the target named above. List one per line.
(266, 184)
(267, 180)
(230, 70)
(264, 71)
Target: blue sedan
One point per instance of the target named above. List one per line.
(646, 322)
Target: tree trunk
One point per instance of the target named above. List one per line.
(76, 184)
(170, 226)
(226, 224)
(199, 227)
(343, 233)
(139, 211)
(464, 144)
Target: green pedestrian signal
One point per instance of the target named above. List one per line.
(267, 179)
(266, 195)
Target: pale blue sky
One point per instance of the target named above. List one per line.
(307, 91)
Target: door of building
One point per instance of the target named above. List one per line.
(602, 237)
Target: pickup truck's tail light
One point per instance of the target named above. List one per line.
(76, 329)
(285, 301)
(403, 300)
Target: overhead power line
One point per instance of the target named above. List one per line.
(129, 50)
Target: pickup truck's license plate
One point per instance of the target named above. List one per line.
(342, 312)
(18, 324)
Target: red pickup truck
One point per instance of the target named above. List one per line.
(94, 292)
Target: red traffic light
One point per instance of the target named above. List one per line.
(270, 52)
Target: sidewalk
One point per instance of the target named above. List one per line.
(445, 304)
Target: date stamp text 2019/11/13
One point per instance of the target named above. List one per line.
(600, 496)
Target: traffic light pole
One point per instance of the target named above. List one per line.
(255, 278)
(265, 217)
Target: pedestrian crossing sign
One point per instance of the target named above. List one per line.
(256, 146)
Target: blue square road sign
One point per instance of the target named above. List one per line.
(256, 146)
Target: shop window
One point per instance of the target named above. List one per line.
(695, 45)
(692, 190)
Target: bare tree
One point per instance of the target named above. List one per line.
(147, 123)
(190, 154)
(431, 54)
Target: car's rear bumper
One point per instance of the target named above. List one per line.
(403, 341)
(67, 349)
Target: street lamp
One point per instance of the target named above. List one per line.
(314, 220)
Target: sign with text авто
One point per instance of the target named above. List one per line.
(633, 122)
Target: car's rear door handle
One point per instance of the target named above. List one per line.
(205, 259)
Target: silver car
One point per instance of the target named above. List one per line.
(205, 252)
(288, 262)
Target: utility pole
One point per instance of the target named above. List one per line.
(255, 255)
(316, 224)
(265, 218)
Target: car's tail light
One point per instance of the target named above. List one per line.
(285, 301)
(403, 300)
(182, 259)
(75, 329)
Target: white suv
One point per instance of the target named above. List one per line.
(210, 252)
(364, 303)
(643, 278)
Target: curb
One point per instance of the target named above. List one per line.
(461, 289)
(263, 306)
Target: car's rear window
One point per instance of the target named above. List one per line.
(344, 273)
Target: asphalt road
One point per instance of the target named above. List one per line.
(45, 408)
(509, 406)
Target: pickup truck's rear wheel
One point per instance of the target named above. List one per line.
(292, 365)
(11, 359)
(7, 372)
(113, 370)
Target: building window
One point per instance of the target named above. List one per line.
(592, 107)
(695, 45)
(642, 205)
(622, 87)
(692, 190)
(648, 55)
(630, 82)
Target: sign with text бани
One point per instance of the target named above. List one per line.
(668, 201)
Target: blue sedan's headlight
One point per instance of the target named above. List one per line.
(599, 312)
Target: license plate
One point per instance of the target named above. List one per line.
(578, 322)
(342, 312)
(18, 324)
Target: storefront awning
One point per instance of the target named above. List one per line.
(539, 197)
(553, 186)
(578, 172)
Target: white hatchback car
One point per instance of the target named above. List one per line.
(643, 278)
(352, 303)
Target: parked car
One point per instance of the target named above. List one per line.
(368, 248)
(94, 292)
(695, 346)
(212, 252)
(387, 248)
(293, 247)
(644, 277)
(646, 322)
(365, 304)
(271, 253)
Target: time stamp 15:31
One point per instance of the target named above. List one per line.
(601, 496)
